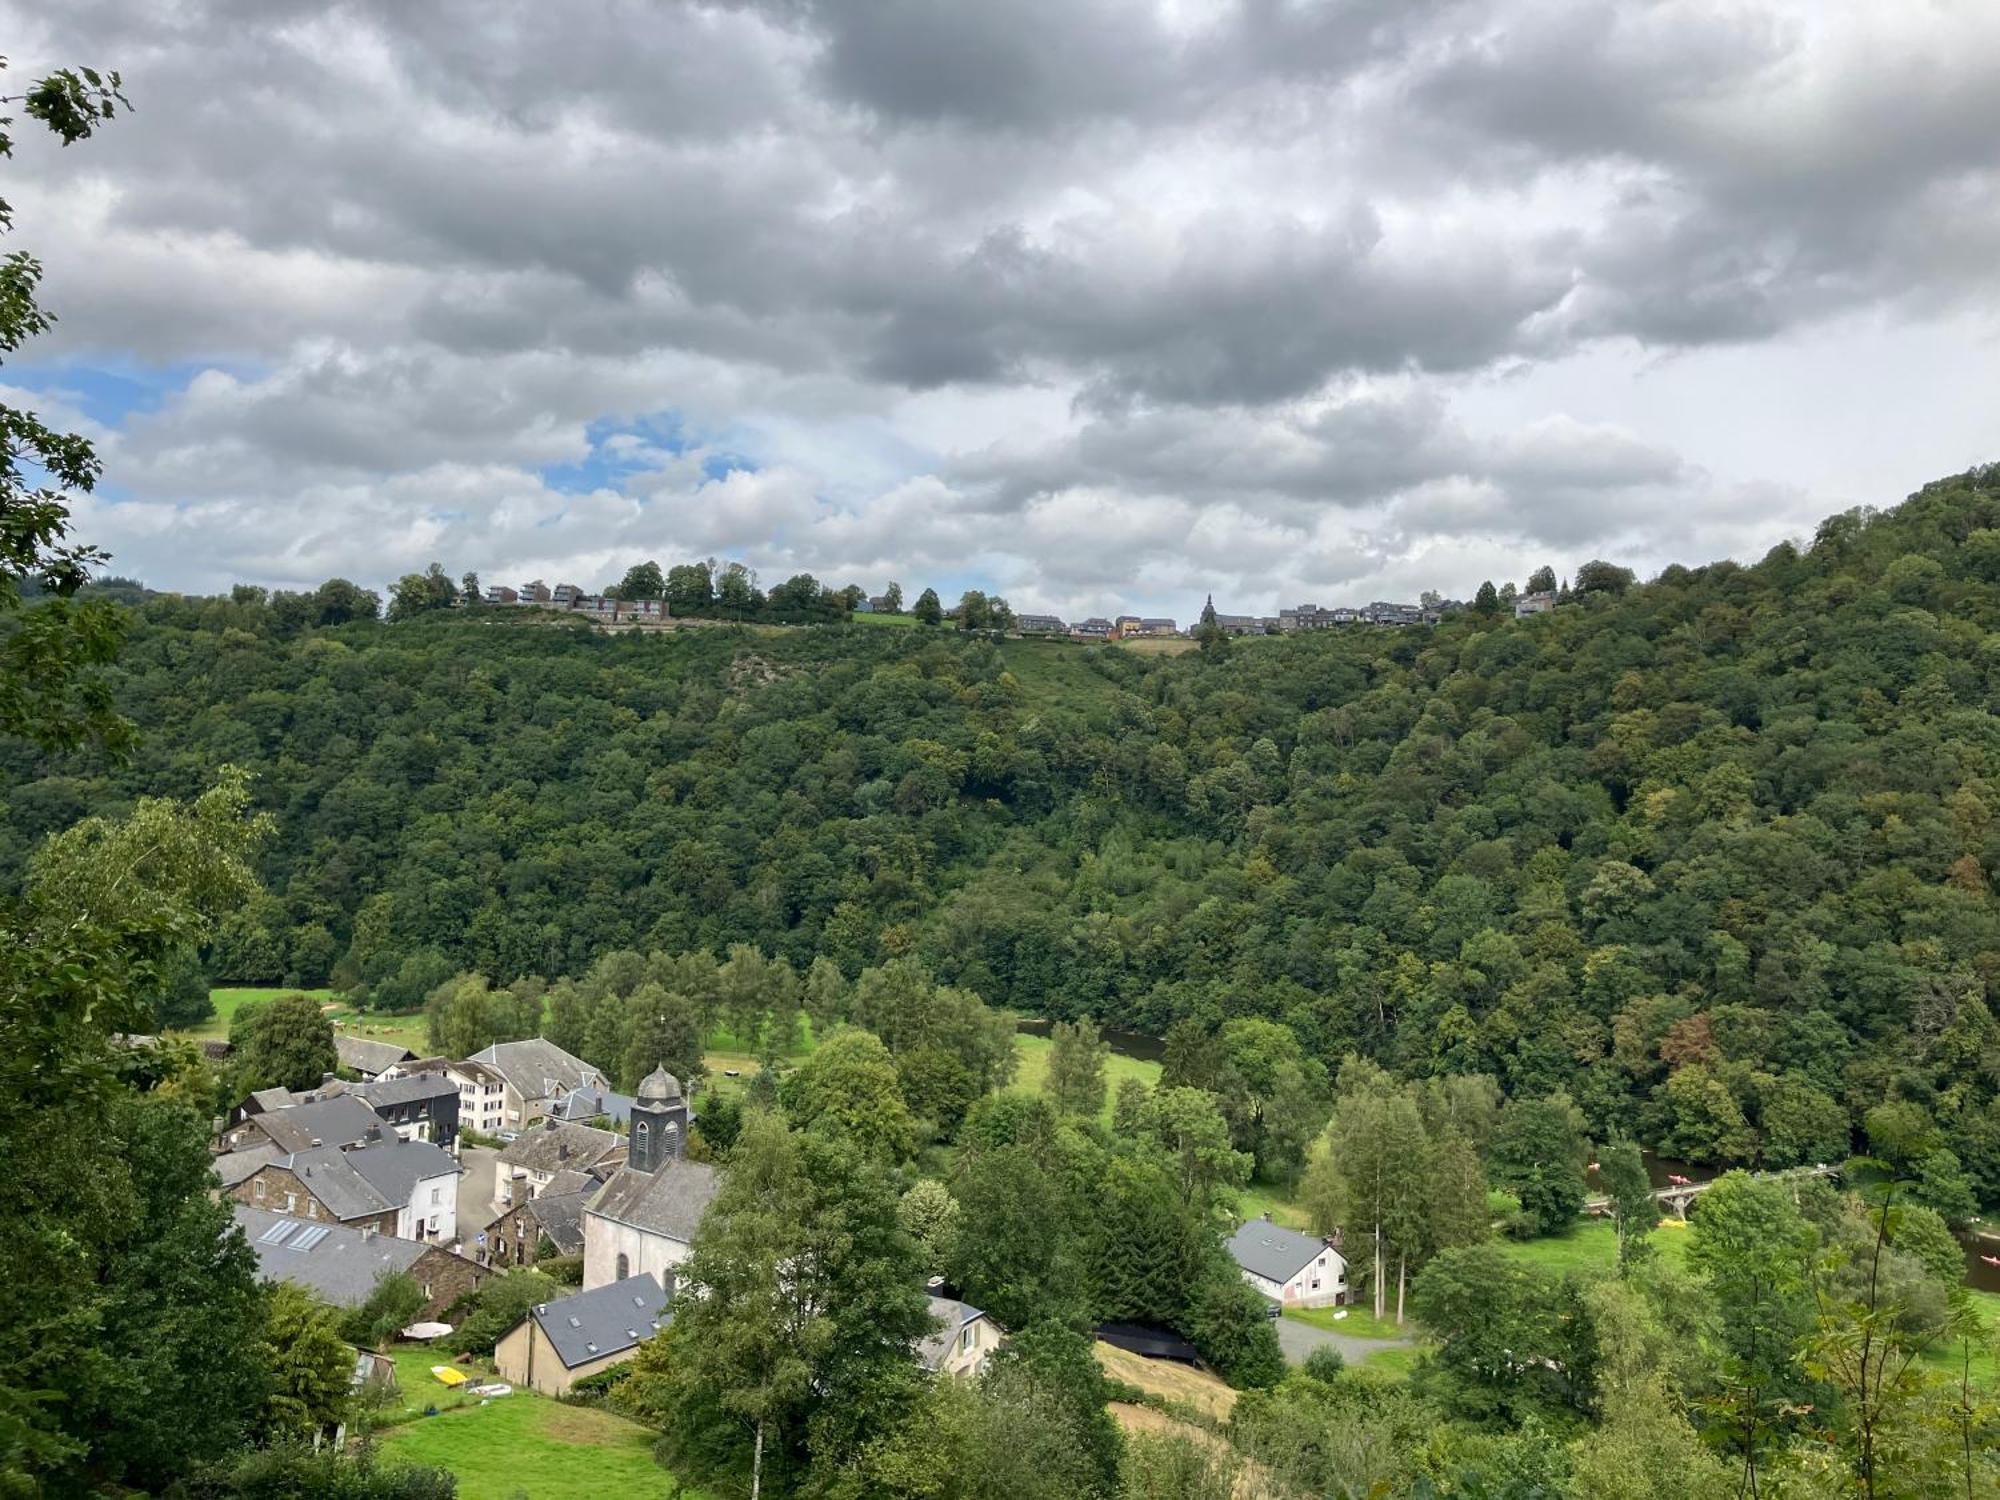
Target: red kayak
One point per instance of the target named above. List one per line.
(1679, 1181)
(1991, 1260)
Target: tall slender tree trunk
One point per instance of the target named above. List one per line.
(757, 1462)
(1380, 1289)
(1402, 1281)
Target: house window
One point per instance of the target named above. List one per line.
(965, 1338)
(437, 1195)
(291, 1203)
(624, 1267)
(258, 1187)
(312, 1208)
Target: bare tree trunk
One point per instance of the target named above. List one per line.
(1402, 1281)
(757, 1462)
(1379, 1288)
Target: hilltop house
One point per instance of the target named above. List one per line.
(1096, 628)
(534, 1157)
(559, 1343)
(1295, 1269)
(340, 1266)
(643, 1220)
(1039, 625)
(533, 1075)
(404, 1188)
(1533, 604)
(963, 1344)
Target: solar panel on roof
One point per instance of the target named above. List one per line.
(576, 1322)
(275, 1235)
(310, 1237)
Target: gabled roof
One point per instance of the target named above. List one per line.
(560, 1217)
(669, 1201)
(339, 1121)
(936, 1347)
(408, 1090)
(607, 1320)
(233, 1167)
(338, 1265)
(367, 1056)
(1273, 1251)
(554, 1145)
(371, 1180)
(588, 1103)
(538, 1068)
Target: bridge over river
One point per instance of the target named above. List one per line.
(1679, 1196)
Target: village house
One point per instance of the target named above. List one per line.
(482, 1093)
(1096, 628)
(559, 1343)
(404, 1188)
(1297, 1270)
(1533, 604)
(587, 1105)
(644, 1218)
(300, 1122)
(533, 1075)
(367, 1059)
(341, 1265)
(418, 1107)
(532, 1158)
(551, 1223)
(962, 1346)
(1039, 625)
(1156, 628)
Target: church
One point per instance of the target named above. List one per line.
(642, 1221)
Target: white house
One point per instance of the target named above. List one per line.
(965, 1342)
(1295, 1269)
(533, 1075)
(643, 1220)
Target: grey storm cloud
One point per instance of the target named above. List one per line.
(1212, 284)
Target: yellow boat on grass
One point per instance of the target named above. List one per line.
(446, 1375)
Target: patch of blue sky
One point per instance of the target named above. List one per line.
(110, 390)
(621, 449)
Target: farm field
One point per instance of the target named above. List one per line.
(1034, 1054)
(227, 1000)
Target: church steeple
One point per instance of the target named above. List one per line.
(659, 1123)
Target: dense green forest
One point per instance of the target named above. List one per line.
(1711, 853)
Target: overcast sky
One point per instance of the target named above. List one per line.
(1098, 303)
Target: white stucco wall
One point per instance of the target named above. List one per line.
(422, 1210)
(604, 1241)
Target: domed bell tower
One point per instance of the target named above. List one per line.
(659, 1123)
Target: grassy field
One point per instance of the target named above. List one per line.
(227, 1001)
(1163, 1377)
(893, 622)
(524, 1444)
(1034, 1054)
(1360, 1322)
(1591, 1246)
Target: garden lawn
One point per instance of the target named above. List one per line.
(1360, 1322)
(227, 1002)
(1591, 1246)
(524, 1444)
(1034, 1054)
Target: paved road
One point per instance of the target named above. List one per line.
(475, 1190)
(1300, 1339)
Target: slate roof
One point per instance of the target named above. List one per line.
(588, 1103)
(342, 1120)
(538, 1068)
(1273, 1251)
(273, 1098)
(366, 1055)
(669, 1201)
(408, 1090)
(611, 1318)
(240, 1166)
(936, 1348)
(339, 1265)
(371, 1180)
(555, 1145)
(560, 1217)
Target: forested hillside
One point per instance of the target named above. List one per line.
(1712, 853)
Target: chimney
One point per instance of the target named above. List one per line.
(667, 1277)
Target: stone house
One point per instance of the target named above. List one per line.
(553, 1217)
(300, 1122)
(532, 1159)
(367, 1059)
(404, 1188)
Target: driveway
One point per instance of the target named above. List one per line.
(1299, 1339)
